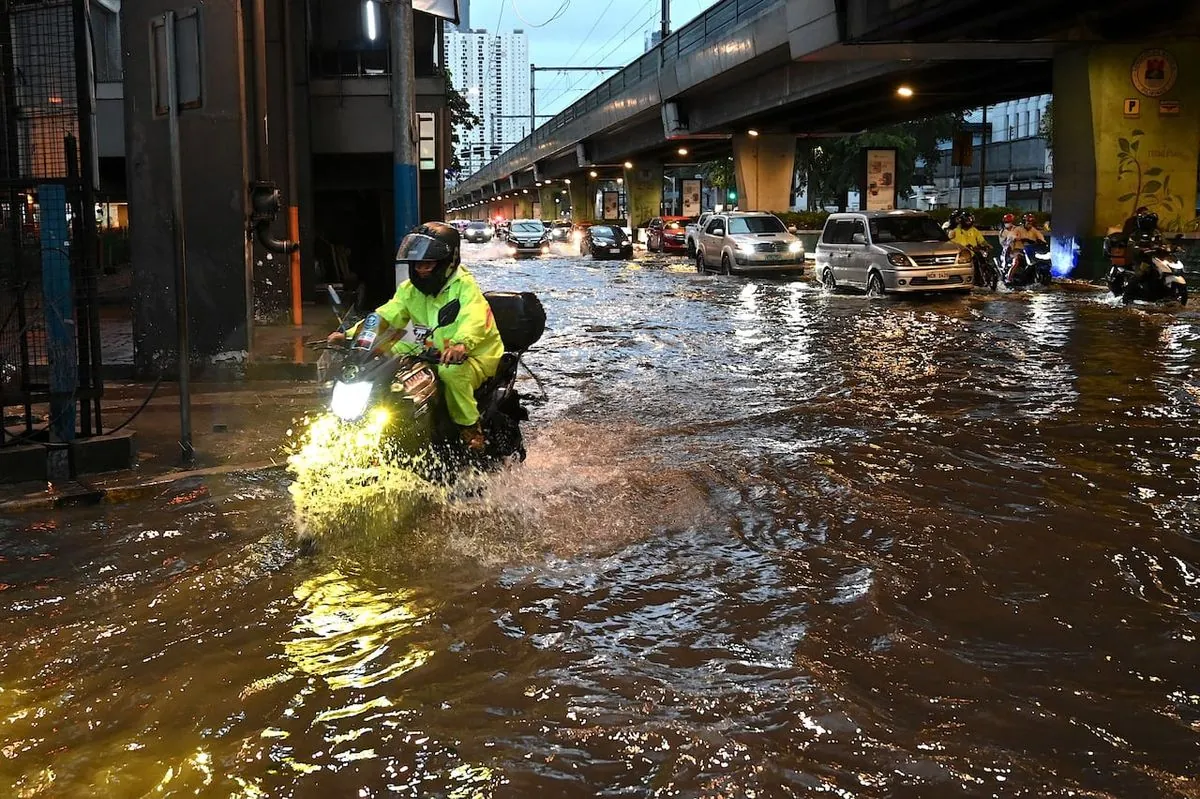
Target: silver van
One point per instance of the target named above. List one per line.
(881, 251)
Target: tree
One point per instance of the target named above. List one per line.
(1046, 126)
(719, 173)
(830, 168)
(462, 120)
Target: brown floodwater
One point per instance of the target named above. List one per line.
(768, 543)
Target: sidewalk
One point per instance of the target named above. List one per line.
(236, 427)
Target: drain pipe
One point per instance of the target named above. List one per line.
(264, 195)
(289, 104)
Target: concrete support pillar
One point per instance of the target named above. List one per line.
(643, 193)
(1126, 134)
(546, 196)
(583, 199)
(214, 194)
(763, 166)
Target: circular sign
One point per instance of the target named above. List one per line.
(1154, 72)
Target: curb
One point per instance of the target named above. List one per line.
(84, 495)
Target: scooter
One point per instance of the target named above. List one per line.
(1032, 266)
(986, 273)
(1168, 282)
(405, 388)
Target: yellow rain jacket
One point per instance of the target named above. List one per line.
(474, 328)
(968, 237)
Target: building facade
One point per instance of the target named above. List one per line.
(490, 70)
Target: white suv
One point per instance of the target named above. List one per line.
(748, 242)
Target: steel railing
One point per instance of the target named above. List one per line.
(713, 24)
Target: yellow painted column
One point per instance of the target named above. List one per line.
(583, 199)
(643, 192)
(764, 167)
(1126, 134)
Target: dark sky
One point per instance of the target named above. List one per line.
(582, 33)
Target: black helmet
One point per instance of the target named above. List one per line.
(432, 241)
(1147, 222)
(955, 215)
(966, 220)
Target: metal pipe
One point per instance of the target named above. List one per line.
(983, 142)
(181, 286)
(261, 131)
(404, 104)
(293, 186)
(532, 98)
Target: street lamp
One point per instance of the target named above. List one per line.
(752, 132)
(905, 92)
(682, 151)
(593, 173)
(629, 165)
(567, 181)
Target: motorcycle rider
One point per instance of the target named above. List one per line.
(967, 235)
(952, 221)
(1143, 235)
(1006, 236)
(1026, 232)
(470, 346)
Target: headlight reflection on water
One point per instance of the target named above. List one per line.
(349, 479)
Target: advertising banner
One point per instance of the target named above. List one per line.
(691, 197)
(880, 182)
(612, 209)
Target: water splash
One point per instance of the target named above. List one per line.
(349, 479)
(1064, 255)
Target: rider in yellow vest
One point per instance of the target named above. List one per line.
(470, 345)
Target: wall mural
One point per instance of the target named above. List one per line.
(1150, 186)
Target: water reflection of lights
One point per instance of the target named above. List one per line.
(348, 629)
(1064, 255)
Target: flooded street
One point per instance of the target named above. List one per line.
(769, 542)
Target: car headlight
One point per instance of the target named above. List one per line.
(795, 247)
(487, 231)
(964, 256)
(746, 247)
(350, 400)
(898, 259)
(545, 249)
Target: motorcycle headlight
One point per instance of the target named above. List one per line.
(545, 250)
(795, 247)
(898, 259)
(1042, 256)
(512, 250)
(350, 400)
(964, 256)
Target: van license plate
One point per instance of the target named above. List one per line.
(615, 251)
(936, 276)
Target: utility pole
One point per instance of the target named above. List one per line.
(532, 95)
(404, 103)
(983, 141)
(666, 20)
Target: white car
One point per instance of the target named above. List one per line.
(748, 242)
(692, 233)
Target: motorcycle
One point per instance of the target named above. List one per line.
(1032, 262)
(986, 273)
(404, 387)
(1168, 282)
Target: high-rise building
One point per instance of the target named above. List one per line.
(651, 40)
(492, 72)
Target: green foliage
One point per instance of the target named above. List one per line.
(462, 120)
(1046, 126)
(831, 167)
(719, 174)
(985, 218)
(803, 220)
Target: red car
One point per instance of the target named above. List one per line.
(667, 233)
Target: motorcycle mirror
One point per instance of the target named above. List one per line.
(448, 313)
(333, 295)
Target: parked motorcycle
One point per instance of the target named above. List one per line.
(1167, 281)
(405, 387)
(1032, 262)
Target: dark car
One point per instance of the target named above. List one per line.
(528, 237)
(478, 232)
(668, 233)
(606, 241)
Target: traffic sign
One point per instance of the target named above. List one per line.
(1168, 108)
(1132, 108)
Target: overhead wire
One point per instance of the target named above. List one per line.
(562, 76)
(639, 29)
(562, 9)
